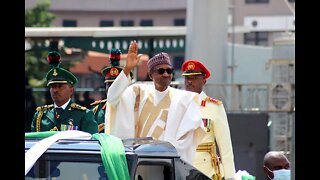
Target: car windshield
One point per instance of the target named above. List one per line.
(67, 170)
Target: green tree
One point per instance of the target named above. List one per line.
(39, 16)
(36, 64)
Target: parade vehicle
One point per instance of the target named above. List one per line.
(144, 158)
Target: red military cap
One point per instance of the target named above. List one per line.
(194, 67)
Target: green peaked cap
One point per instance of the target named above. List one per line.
(111, 72)
(57, 74)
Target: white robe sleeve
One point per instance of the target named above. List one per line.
(186, 124)
(119, 111)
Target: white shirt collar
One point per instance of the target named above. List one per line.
(202, 96)
(158, 96)
(63, 106)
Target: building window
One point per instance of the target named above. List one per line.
(106, 23)
(127, 23)
(179, 22)
(256, 1)
(256, 38)
(69, 23)
(146, 22)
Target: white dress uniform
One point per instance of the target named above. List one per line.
(216, 124)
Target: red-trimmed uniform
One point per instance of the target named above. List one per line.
(217, 136)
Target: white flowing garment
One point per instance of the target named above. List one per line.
(175, 115)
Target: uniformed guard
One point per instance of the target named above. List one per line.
(63, 114)
(109, 73)
(215, 121)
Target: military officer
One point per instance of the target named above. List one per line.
(215, 121)
(63, 114)
(110, 73)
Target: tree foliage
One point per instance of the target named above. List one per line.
(36, 64)
(39, 16)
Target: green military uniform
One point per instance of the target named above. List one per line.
(74, 116)
(99, 108)
(109, 73)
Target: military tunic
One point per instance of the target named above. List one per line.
(216, 124)
(99, 113)
(74, 117)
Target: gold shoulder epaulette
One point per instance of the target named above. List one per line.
(39, 108)
(77, 106)
(216, 101)
(98, 102)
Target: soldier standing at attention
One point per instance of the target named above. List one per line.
(110, 73)
(64, 114)
(215, 121)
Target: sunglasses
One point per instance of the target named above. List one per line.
(162, 70)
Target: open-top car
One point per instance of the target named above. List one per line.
(144, 158)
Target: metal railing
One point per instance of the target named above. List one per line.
(235, 97)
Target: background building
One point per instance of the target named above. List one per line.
(263, 18)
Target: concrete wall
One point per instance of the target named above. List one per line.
(250, 63)
(250, 137)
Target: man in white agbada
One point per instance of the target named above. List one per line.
(158, 110)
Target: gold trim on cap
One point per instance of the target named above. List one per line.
(114, 72)
(109, 80)
(55, 72)
(193, 73)
(191, 66)
(60, 82)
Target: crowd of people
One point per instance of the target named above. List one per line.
(193, 122)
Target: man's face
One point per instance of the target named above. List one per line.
(60, 93)
(194, 83)
(276, 163)
(161, 76)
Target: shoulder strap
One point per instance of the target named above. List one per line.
(40, 110)
(77, 106)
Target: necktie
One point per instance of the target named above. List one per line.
(59, 111)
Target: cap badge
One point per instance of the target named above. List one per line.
(114, 72)
(191, 66)
(55, 72)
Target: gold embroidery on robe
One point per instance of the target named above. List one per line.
(149, 114)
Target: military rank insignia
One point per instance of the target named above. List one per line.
(114, 72)
(207, 124)
(191, 66)
(69, 126)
